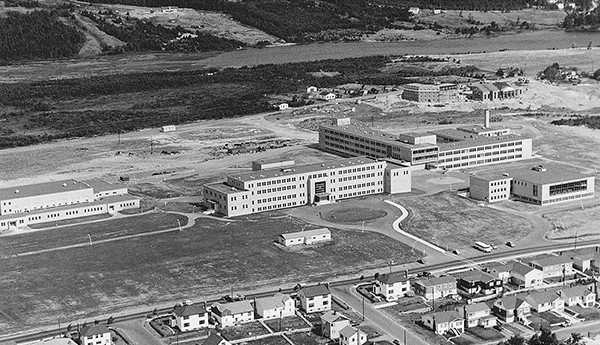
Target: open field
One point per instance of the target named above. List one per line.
(201, 261)
(449, 220)
(566, 224)
(547, 19)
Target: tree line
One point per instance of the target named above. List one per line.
(37, 35)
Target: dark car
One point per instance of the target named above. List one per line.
(510, 244)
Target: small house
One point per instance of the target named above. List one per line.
(352, 336)
(478, 314)
(315, 298)
(326, 96)
(553, 266)
(215, 339)
(283, 106)
(578, 295)
(96, 334)
(512, 308)
(436, 287)
(414, 10)
(312, 89)
(305, 237)
(169, 128)
(189, 317)
(277, 306)
(392, 286)
(444, 322)
(332, 323)
(542, 301)
(232, 313)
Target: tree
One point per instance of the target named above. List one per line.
(500, 72)
(516, 339)
(575, 339)
(546, 337)
(597, 74)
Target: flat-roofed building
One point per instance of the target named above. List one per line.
(59, 200)
(490, 188)
(265, 190)
(485, 131)
(430, 93)
(305, 237)
(543, 185)
(359, 140)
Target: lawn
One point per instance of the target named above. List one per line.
(447, 219)
(70, 221)
(307, 339)
(353, 215)
(588, 313)
(76, 234)
(287, 323)
(486, 334)
(245, 330)
(202, 261)
(408, 304)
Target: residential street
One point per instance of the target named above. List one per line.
(384, 322)
(138, 332)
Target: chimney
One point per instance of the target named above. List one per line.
(486, 120)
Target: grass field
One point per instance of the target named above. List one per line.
(447, 219)
(353, 215)
(199, 262)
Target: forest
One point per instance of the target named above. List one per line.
(592, 122)
(586, 21)
(37, 35)
(300, 21)
(160, 98)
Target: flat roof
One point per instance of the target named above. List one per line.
(301, 169)
(300, 234)
(373, 134)
(491, 177)
(223, 187)
(36, 189)
(416, 134)
(479, 140)
(553, 174)
(480, 129)
(101, 185)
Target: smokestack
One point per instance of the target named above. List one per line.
(486, 120)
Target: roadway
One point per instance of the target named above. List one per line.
(451, 264)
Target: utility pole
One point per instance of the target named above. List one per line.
(90, 237)
(363, 309)
(179, 224)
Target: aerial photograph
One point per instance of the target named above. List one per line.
(299, 172)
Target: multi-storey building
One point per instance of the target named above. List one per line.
(430, 93)
(541, 185)
(448, 149)
(58, 200)
(436, 287)
(298, 185)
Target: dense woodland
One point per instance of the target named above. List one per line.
(177, 97)
(582, 20)
(588, 121)
(37, 35)
(299, 21)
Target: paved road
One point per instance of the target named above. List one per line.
(384, 322)
(138, 332)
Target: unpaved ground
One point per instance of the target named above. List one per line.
(459, 18)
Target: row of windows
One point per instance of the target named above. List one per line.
(481, 148)
(270, 182)
(368, 184)
(479, 155)
(471, 163)
(278, 189)
(355, 177)
(498, 183)
(273, 207)
(358, 139)
(569, 197)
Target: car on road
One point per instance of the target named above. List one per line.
(510, 244)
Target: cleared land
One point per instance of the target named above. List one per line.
(449, 220)
(199, 262)
(567, 224)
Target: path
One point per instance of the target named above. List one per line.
(396, 226)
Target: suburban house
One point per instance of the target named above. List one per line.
(305, 237)
(435, 287)
(96, 334)
(414, 10)
(332, 323)
(326, 96)
(189, 317)
(542, 301)
(581, 295)
(501, 271)
(444, 322)
(283, 106)
(392, 286)
(352, 336)
(311, 89)
(232, 313)
(583, 262)
(56, 341)
(526, 276)
(553, 266)
(315, 298)
(215, 339)
(478, 314)
(477, 282)
(277, 306)
(512, 308)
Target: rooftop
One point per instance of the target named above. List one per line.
(308, 233)
(548, 174)
(479, 129)
(392, 278)
(57, 341)
(233, 308)
(102, 186)
(315, 290)
(541, 297)
(550, 260)
(475, 276)
(187, 310)
(213, 339)
(90, 330)
(36, 189)
(302, 169)
(446, 316)
(276, 301)
(433, 281)
(477, 140)
(580, 290)
(492, 177)
(475, 307)
(510, 302)
(223, 187)
(373, 134)
(333, 316)
(349, 331)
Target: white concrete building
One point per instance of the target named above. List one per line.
(352, 336)
(277, 306)
(96, 334)
(189, 317)
(232, 313)
(392, 286)
(315, 298)
(307, 237)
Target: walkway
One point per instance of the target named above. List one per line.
(396, 226)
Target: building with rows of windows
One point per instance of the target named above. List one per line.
(541, 185)
(58, 200)
(446, 149)
(290, 185)
(430, 93)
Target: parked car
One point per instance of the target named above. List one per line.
(510, 244)
(396, 342)
(456, 251)
(494, 247)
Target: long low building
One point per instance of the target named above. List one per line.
(446, 149)
(297, 185)
(59, 200)
(541, 185)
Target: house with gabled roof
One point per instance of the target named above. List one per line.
(276, 306)
(56, 341)
(444, 322)
(215, 339)
(436, 287)
(511, 308)
(583, 262)
(392, 286)
(352, 336)
(315, 298)
(326, 96)
(189, 317)
(581, 295)
(332, 323)
(553, 266)
(526, 276)
(542, 301)
(478, 314)
(478, 282)
(95, 334)
(232, 313)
